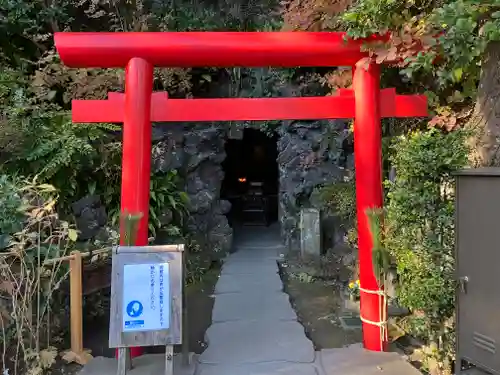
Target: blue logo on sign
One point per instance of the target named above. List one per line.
(134, 309)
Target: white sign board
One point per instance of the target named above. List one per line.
(146, 297)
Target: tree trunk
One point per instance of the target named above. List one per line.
(485, 120)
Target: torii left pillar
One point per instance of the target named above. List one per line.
(136, 158)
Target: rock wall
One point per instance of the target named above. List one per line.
(90, 216)
(197, 151)
(204, 145)
(310, 154)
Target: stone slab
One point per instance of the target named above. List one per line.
(252, 254)
(258, 236)
(310, 232)
(149, 364)
(243, 342)
(270, 368)
(252, 306)
(237, 267)
(262, 281)
(474, 371)
(262, 243)
(357, 361)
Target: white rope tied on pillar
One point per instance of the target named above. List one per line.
(382, 324)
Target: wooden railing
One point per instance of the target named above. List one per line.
(77, 353)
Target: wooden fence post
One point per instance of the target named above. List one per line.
(77, 353)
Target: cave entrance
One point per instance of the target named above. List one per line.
(251, 178)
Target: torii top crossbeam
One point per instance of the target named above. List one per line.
(209, 49)
(139, 53)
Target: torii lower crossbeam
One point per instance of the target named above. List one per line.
(164, 109)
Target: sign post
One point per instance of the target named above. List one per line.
(146, 300)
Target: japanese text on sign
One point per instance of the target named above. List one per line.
(146, 297)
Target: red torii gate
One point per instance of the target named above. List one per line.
(139, 106)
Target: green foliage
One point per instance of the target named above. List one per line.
(339, 198)
(168, 204)
(198, 262)
(468, 27)
(420, 229)
(26, 27)
(457, 33)
(36, 132)
(38, 138)
(368, 17)
(11, 218)
(223, 16)
(28, 283)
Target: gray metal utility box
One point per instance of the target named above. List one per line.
(478, 267)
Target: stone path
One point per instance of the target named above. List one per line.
(255, 329)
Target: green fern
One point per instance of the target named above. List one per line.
(38, 138)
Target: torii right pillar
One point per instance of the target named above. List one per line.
(368, 165)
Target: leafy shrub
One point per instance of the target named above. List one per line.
(339, 198)
(420, 230)
(11, 219)
(167, 204)
(38, 138)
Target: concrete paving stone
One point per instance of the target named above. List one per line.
(474, 371)
(242, 342)
(264, 282)
(252, 253)
(262, 245)
(357, 361)
(249, 268)
(255, 255)
(258, 236)
(268, 270)
(258, 241)
(99, 366)
(269, 368)
(149, 364)
(252, 306)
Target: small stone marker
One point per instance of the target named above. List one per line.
(310, 232)
(235, 131)
(146, 300)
